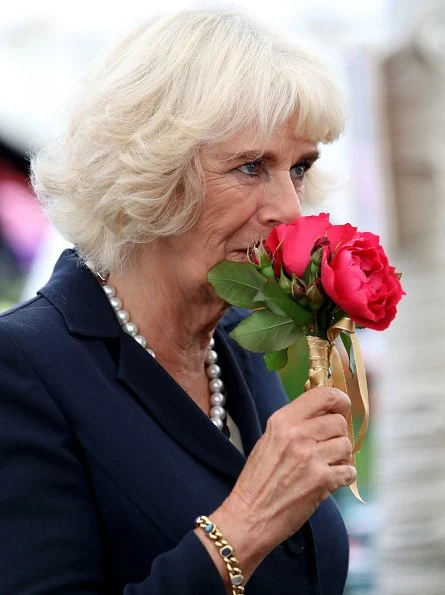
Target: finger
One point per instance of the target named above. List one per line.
(321, 400)
(342, 475)
(335, 451)
(326, 427)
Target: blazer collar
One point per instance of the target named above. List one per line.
(75, 293)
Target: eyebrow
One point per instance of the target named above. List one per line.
(254, 155)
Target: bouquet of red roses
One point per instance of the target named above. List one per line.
(312, 281)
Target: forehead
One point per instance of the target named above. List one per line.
(283, 142)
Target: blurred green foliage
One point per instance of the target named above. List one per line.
(10, 291)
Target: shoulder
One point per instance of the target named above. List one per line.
(22, 332)
(16, 310)
(23, 342)
(29, 321)
(33, 341)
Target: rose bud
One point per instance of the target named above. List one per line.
(320, 243)
(263, 255)
(258, 255)
(252, 256)
(298, 288)
(319, 285)
(285, 283)
(315, 297)
(316, 257)
(267, 271)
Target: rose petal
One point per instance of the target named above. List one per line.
(299, 239)
(339, 234)
(360, 281)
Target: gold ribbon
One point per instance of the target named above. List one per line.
(326, 369)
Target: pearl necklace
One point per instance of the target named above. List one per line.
(213, 371)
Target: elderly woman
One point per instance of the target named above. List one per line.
(188, 142)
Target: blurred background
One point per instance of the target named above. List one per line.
(391, 56)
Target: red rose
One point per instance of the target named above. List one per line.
(356, 275)
(290, 245)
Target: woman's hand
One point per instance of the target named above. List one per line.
(302, 458)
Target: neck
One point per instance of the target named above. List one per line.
(177, 316)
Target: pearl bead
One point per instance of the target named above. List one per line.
(217, 399)
(141, 340)
(122, 316)
(116, 304)
(218, 422)
(212, 357)
(216, 385)
(130, 328)
(218, 411)
(213, 371)
(109, 291)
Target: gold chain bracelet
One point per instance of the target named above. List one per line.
(226, 552)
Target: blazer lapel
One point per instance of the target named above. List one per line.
(237, 371)
(175, 411)
(74, 291)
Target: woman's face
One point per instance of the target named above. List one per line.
(249, 190)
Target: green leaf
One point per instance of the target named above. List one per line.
(275, 360)
(281, 303)
(266, 331)
(346, 340)
(237, 283)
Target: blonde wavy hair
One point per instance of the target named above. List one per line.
(127, 170)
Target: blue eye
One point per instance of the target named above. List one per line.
(256, 168)
(298, 170)
(253, 168)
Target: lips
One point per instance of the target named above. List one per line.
(240, 255)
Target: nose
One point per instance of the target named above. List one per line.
(281, 203)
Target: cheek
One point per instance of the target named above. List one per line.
(228, 206)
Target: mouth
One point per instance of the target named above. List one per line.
(239, 255)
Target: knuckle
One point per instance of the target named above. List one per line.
(345, 475)
(350, 474)
(336, 396)
(347, 446)
(274, 422)
(330, 396)
(341, 424)
(293, 436)
(279, 427)
(333, 396)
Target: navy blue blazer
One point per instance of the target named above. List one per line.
(105, 461)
